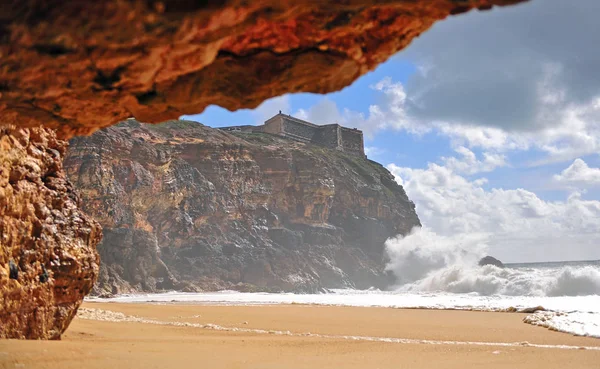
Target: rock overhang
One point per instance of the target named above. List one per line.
(80, 66)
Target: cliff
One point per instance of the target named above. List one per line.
(188, 207)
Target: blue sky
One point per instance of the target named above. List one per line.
(490, 120)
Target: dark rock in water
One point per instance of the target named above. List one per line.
(488, 260)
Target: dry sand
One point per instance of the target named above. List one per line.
(277, 337)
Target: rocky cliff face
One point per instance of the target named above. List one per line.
(189, 207)
(48, 259)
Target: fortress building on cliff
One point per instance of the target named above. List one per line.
(332, 136)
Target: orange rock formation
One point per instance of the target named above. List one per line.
(80, 66)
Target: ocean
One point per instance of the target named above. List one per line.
(568, 292)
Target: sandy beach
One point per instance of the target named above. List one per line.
(299, 336)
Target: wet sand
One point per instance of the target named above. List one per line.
(299, 336)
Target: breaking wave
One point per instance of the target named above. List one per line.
(423, 261)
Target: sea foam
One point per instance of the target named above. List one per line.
(111, 316)
(579, 315)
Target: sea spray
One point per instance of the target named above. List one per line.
(422, 251)
(423, 261)
(571, 281)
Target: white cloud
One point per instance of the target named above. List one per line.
(522, 227)
(579, 173)
(469, 164)
(482, 137)
(534, 89)
(387, 114)
(576, 131)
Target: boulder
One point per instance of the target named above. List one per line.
(489, 260)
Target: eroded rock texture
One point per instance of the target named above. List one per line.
(190, 207)
(48, 259)
(80, 65)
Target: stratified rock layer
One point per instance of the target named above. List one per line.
(48, 259)
(189, 207)
(78, 66)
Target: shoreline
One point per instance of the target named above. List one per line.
(143, 335)
(579, 315)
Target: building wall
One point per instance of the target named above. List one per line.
(352, 141)
(332, 136)
(274, 125)
(299, 131)
(328, 136)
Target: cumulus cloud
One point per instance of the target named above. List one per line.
(468, 163)
(578, 134)
(388, 113)
(483, 137)
(579, 173)
(520, 224)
